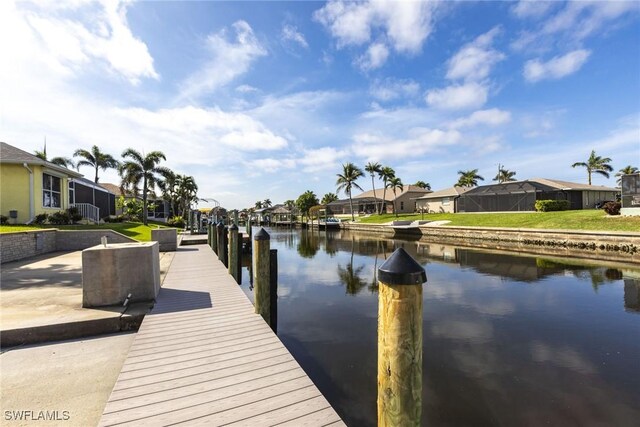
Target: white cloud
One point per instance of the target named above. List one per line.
(390, 89)
(403, 25)
(557, 67)
(310, 161)
(531, 8)
(458, 97)
(377, 147)
(229, 59)
(474, 61)
(72, 45)
(375, 57)
(291, 34)
(246, 89)
(490, 117)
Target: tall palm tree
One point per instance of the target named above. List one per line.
(328, 198)
(187, 192)
(468, 178)
(258, 205)
(347, 180)
(423, 184)
(65, 162)
(138, 168)
(596, 164)
(504, 175)
(169, 188)
(266, 203)
(627, 170)
(386, 173)
(373, 168)
(96, 159)
(395, 183)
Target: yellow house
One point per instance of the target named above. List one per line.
(30, 186)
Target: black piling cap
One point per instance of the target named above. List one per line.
(233, 227)
(262, 235)
(401, 269)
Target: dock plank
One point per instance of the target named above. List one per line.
(203, 357)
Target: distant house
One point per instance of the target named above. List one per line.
(366, 203)
(441, 201)
(522, 195)
(30, 186)
(159, 209)
(93, 200)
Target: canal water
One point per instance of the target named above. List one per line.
(509, 339)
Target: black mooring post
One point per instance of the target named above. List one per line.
(273, 289)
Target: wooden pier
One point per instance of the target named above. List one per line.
(203, 357)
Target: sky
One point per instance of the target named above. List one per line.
(268, 99)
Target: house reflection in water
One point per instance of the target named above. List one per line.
(632, 295)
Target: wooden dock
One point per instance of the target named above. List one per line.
(202, 357)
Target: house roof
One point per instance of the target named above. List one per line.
(13, 155)
(112, 188)
(389, 197)
(533, 186)
(447, 192)
(566, 185)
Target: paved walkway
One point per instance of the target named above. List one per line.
(202, 357)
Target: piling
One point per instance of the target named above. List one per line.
(209, 234)
(214, 237)
(234, 259)
(261, 274)
(273, 289)
(400, 281)
(221, 247)
(225, 235)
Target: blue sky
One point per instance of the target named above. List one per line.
(267, 99)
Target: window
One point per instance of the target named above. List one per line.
(401, 206)
(72, 192)
(446, 201)
(51, 191)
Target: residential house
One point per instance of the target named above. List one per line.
(522, 195)
(30, 186)
(441, 201)
(158, 209)
(366, 203)
(92, 200)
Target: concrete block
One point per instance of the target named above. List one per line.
(110, 273)
(166, 237)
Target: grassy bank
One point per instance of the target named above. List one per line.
(595, 220)
(135, 230)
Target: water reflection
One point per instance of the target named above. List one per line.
(508, 339)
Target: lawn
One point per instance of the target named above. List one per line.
(135, 230)
(590, 219)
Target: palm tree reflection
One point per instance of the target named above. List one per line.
(350, 276)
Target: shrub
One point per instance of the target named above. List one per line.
(40, 219)
(4, 220)
(60, 218)
(552, 205)
(109, 218)
(74, 214)
(176, 221)
(612, 208)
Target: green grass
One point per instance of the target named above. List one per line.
(135, 230)
(591, 219)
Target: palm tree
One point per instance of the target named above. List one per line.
(373, 168)
(347, 180)
(65, 162)
(138, 168)
(258, 204)
(468, 178)
(627, 170)
(386, 173)
(504, 175)
(187, 191)
(290, 204)
(596, 164)
(423, 184)
(328, 198)
(266, 203)
(350, 276)
(395, 183)
(96, 159)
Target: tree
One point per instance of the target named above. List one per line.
(328, 198)
(96, 159)
(290, 204)
(627, 170)
(169, 188)
(395, 183)
(423, 184)
(373, 168)
(347, 180)
(595, 164)
(137, 168)
(468, 178)
(65, 162)
(504, 175)
(386, 173)
(258, 204)
(187, 192)
(306, 201)
(266, 203)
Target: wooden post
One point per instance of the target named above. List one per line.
(209, 234)
(225, 235)
(221, 248)
(233, 252)
(239, 257)
(400, 281)
(261, 274)
(214, 237)
(273, 289)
